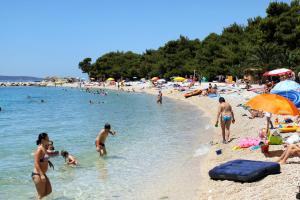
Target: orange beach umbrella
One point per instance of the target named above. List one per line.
(274, 104)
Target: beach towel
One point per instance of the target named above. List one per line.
(248, 142)
(212, 95)
(295, 138)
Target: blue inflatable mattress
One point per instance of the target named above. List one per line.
(244, 170)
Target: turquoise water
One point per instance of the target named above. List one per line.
(150, 139)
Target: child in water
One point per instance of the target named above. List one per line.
(159, 97)
(71, 160)
(101, 137)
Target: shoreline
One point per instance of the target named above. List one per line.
(204, 108)
(288, 179)
(203, 112)
(243, 128)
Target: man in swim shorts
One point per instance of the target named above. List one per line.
(159, 97)
(226, 116)
(101, 137)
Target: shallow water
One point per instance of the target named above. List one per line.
(152, 143)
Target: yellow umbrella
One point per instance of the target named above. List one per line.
(110, 79)
(274, 104)
(179, 79)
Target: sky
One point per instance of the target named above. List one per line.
(47, 38)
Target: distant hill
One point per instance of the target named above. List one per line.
(19, 79)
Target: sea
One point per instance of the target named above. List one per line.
(156, 153)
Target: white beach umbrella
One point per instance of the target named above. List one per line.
(278, 72)
(161, 80)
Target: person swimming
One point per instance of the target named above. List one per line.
(101, 138)
(41, 162)
(70, 159)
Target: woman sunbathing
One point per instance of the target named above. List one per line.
(292, 150)
(205, 92)
(256, 113)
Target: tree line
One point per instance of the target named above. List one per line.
(263, 43)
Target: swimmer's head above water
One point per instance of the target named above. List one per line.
(107, 126)
(64, 154)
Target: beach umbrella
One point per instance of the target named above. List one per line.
(292, 95)
(274, 104)
(110, 79)
(288, 89)
(161, 80)
(278, 72)
(154, 78)
(179, 79)
(286, 85)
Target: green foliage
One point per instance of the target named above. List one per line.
(267, 43)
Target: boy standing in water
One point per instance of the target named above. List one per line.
(101, 137)
(159, 98)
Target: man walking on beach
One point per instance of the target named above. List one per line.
(226, 115)
(101, 137)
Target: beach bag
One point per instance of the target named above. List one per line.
(275, 139)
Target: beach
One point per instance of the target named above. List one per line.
(281, 186)
(150, 101)
(191, 176)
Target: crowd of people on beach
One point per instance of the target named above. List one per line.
(226, 116)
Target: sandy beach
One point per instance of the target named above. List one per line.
(281, 186)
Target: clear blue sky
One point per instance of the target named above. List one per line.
(41, 38)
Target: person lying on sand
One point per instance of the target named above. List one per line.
(256, 113)
(71, 160)
(204, 92)
(212, 91)
(292, 150)
(297, 119)
(101, 138)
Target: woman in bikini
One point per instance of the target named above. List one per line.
(226, 115)
(41, 162)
